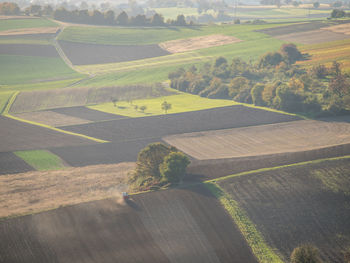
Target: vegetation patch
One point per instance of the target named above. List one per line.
(179, 103)
(254, 238)
(11, 24)
(29, 31)
(41, 160)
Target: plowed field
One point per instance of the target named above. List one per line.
(29, 50)
(173, 226)
(85, 54)
(300, 204)
(10, 164)
(262, 140)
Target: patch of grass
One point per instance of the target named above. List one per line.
(8, 24)
(254, 238)
(4, 98)
(23, 69)
(41, 160)
(179, 103)
(334, 179)
(144, 36)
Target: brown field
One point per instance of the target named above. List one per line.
(37, 191)
(189, 44)
(16, 136)
(29, 50)
(57, 98)
(342, 29)
(51, 118)
(313, 37)
(17, 17)
(262, 140)
(180, 225)
(300, 204)
(29, 31)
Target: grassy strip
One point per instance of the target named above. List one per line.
(7, 114)
(4, 99)
(9, 24)
(41, 160)
(254, 238)
(277, 168)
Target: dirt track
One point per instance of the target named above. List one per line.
(110, 231)
(299, 205)
(262, 140)
(85, 54)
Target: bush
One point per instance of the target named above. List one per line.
(305, 254)
(174, 167)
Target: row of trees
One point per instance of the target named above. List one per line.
(337, 13)
(274, 81)
(7, 8)
(158, 165)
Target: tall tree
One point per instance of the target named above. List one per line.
(122, 19)
(166, 106)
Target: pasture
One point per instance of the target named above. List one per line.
(41, 160)
(11, 24)
(294, 136)
(306, 203)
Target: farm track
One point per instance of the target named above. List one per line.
(112, 231)
(293, 205)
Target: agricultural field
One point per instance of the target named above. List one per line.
(185, 233)
(41, 160)
(306, 203)
(12, 24)
(296, 136)
(26, 49)
(12, 164)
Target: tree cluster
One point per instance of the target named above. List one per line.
(110, 18)
(158, 165)
(338, 13)
(305, 254)
(274, 81)
(7, 8)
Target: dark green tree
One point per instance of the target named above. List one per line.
(305, 254)
(174, 166)
(122, 19)
(166, 106)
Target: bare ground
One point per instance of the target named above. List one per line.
(313, 37)
(189, 44)
(29, 31)
(28, 50)
(262, 140)
(51, 118)
(36, 191)
(343, 29)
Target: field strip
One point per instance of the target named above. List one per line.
(124, 66)
(41, 160)
(254, 238)
(277, 168)
(7, 114)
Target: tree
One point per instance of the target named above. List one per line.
(166, 106)
(114, 100)
(143, 108)
(270, 59)
(335, 69)
(180, 21)
(7, 8)
(316, 5)
(157, 20)
(109, 17)
(291, 53)
(305, 254)
(174, 167)
(256, 94)
(336, 13)
(122, 19)
(339, 86)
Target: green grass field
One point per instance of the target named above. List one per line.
(41, 160)
(25, 69)
(8, 24)
(25, 40)
(179, 103)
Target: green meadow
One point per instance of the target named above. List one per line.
(41, 160)
(9, 24)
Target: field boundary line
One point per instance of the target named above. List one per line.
(277, 168)
(263, 252)
(9, 103)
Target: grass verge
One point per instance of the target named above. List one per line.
(255, 240)
(41, 160)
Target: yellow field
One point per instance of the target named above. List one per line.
(327, 53)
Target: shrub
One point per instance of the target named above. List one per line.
(174, 167)
(305, 254)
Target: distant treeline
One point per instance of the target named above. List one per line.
(274, 81)
(337, 13)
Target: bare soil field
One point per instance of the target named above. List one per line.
(211, 169)
(17, 135)
(343, 29)
(262, 140)
(104, 153)
(51, 118)
(313, 37)
(301, 204)
(189, 44)
(87, 114)
(37, 191)
(58, 98)
(11, 163)
(29, 50)
(159, 126)
(85, 54)
(296, 28)
(29, 31)
(113, 231)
